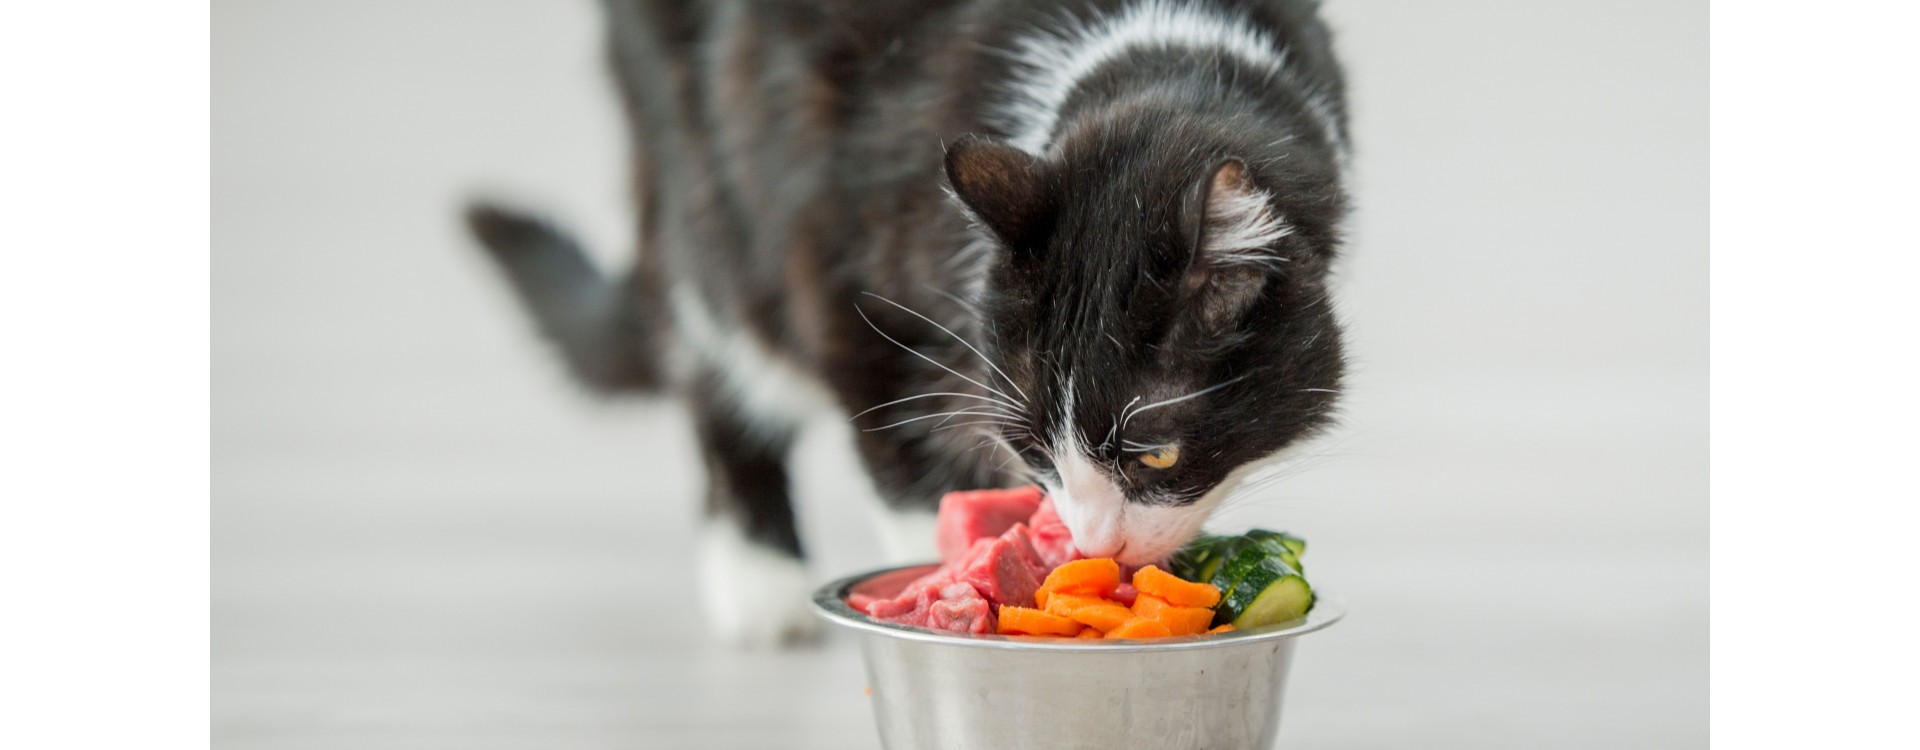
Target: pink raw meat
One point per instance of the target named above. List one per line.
(910, 607)
(1005, 569)
(969, 516)
(960, 609)
(1050, 536)
(990, 559)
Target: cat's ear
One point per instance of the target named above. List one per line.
(1235, 221)
(1003, 186)
(1233, 228)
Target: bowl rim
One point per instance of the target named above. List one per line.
(830, 603)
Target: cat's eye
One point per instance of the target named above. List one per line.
(1162, 457)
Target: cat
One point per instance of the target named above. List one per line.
(1084, 244)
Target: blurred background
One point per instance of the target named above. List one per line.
(425, 537)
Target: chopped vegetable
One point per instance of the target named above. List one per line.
(1096, 577)
(1258, 575)
(1186, 620)
(1093, 633)
(1025, 621)
(1152, 580)
(1180, 620)
(1140, 627)
(1285, 599)
(1228, 628)
(1090, 611)
(1149, 605)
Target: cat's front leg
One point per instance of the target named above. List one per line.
(754, 585)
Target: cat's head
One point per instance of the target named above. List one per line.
(1163, 315)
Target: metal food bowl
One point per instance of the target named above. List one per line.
(935, 689)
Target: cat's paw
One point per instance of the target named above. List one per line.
(754, 597)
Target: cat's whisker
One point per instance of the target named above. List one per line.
(1127, 417)
(947, 414)
(932, 395)
(970, 307)
(930, 360)
(971, 424)
(956, 337)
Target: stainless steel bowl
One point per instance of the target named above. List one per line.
(934, 689)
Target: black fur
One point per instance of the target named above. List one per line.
(601, 327)
(793, 157)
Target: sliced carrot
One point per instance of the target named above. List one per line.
(1091, 633)
(1024, 621)
(1149, 606)
(1152, 580)
(1140, 627)
(1228, 628)
(1180, 620)
(1096, 577)
(1186, 620)
(1088, 610)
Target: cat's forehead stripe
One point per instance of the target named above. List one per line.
(1049, 63)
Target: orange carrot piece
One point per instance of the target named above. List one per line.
(1024, 621)
(1140, 627)
(1179, 620)
(1160, 583)
(1228, 628)
(1087, 610)
(1186, 620)
(1149, 606)
(1091, 633)
(1096, 577)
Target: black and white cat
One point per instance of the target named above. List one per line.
(1079, 243)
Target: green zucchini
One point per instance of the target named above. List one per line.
(1192, 559)
(1258, 573)
(1287, 598)
(1289, 546)
(1227, 549)
(1243, 578)
(1293, 543)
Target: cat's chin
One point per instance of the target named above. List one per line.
(755, 598)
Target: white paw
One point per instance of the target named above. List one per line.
(754, 597)
(906, 536)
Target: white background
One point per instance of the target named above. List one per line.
(423, 537)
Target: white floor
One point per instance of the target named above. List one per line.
(424, 539)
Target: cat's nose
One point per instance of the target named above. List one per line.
(1099, 544)
(1091, 505)
(1096, 526)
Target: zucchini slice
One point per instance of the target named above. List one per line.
(1223, 552)
(1192, 561)
(1258, 573)
(1252, 577)
(1293, 543)
(1287, 598)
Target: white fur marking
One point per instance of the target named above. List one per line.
(1157, 531)
(1092, 506)
(1240, 223)
(766, 385)
(1090, 503)
(1051, 63)
(753, 596)
(1104, 523)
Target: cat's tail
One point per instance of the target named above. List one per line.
(601, 324)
